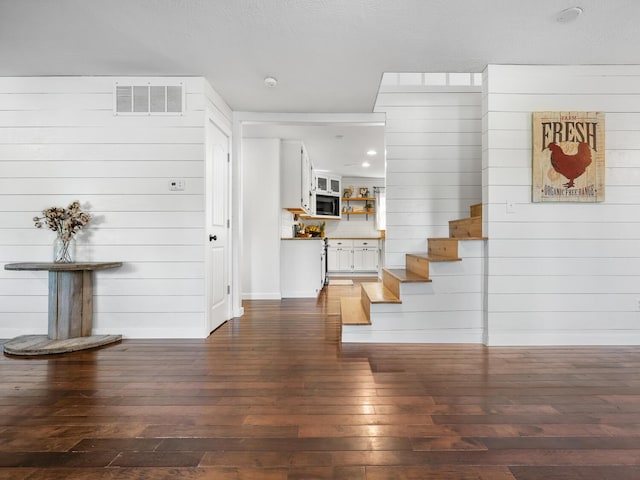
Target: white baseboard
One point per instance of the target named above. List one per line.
(585, 338)
(262, 296)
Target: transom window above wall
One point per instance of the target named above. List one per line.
(415, 79)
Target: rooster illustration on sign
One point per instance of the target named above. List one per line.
(570, 166)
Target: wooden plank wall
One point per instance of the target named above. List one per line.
(561, 273)
(433, 142)
(60, 141)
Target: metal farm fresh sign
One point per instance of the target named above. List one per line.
(568, 156)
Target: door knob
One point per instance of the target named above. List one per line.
(213, 237)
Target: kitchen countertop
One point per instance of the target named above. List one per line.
(331, 238)
(301, 238)
(354, 238)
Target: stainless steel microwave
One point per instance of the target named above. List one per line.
(328, 205)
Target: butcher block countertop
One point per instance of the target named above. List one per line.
(331, 238)
(355, 238)
(302, 238)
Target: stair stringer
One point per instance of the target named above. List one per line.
(447, 310)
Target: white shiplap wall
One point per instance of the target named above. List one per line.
(433, 142)
(60, 141)
(561, 273)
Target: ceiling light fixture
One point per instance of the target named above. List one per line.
(366, 164)
(371, 152)
(270, 81)
(569, 15)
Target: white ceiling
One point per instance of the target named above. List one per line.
(328, 55)
(338, 149)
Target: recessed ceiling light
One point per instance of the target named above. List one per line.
(569, 15)
(366, 164)
(270, 81)
(339, 137)
(371, 152)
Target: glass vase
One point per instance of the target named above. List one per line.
(64, 251)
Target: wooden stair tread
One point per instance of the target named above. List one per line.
(378, 293)
(352, 312)
(458, 238)
(419, 255)
(406, 276)
(442, 258)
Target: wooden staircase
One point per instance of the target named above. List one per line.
(416, 269)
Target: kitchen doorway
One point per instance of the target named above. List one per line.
(336, 144)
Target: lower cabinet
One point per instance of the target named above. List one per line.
(353, 256)
(301, 268)
(340, 259)
(365, 259)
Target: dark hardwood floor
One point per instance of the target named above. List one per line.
(275, 396)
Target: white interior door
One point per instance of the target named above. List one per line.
(217, 231)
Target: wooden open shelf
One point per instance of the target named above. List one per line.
(359, 199)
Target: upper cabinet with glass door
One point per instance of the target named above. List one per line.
(327, 184)
(334, 186)
(322, 184)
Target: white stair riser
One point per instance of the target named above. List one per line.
(471, 248)
(471, 302)
(428, 321)
(465, 267)
(444, 284)
(410, 336)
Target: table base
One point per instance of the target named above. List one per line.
(43, 345)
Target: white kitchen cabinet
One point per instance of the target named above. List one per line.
(340, 259)
(296, 188)
(353, 256)
(334, 186)
(365, 259)
(327, 184)
(307, 183)
(366, 255)
(322, 184)
(339, 255)
(301, 267)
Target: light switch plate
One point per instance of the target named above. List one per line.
(511, 206)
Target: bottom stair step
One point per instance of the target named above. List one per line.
(352, 311)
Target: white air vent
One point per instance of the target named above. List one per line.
(149, 99)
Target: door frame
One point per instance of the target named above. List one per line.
(211, 117)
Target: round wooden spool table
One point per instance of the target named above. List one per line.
(70, 310)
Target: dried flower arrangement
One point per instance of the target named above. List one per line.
(66, 222)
